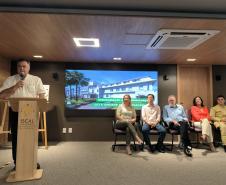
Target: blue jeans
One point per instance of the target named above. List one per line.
(146, 132)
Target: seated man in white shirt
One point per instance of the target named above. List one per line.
(151, 116)
(18, 86)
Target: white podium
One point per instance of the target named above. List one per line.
(27, 138)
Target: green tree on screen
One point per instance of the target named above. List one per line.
(77, 79)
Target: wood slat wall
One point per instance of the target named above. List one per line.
(194, 81)
(4, 73)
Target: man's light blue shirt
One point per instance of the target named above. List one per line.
(176, 112)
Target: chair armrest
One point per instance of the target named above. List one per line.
(141, 122)
(164, 124)
(113, 125)
(211, 122)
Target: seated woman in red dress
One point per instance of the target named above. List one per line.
(201, 119)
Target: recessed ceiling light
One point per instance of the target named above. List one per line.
(191, 59)
(117, 58)
(87, 42)
(38, 56)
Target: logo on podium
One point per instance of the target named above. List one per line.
(27, 119)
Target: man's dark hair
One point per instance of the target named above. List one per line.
(151, 95)
(220, 96)
(22, 60)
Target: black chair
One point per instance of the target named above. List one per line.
(193, 129)
(177, 132)
(197, 132)
(119, 132)
(172, 132)
(216, 136)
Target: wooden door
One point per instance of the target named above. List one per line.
(194, 80)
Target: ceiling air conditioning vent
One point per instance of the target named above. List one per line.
(180, 39)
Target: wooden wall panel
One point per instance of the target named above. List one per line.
(4, 73)
(194, 81)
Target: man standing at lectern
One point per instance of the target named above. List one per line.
(21, 85)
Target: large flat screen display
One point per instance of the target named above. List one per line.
(104, 89)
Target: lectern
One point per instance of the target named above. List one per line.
(27, 138)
